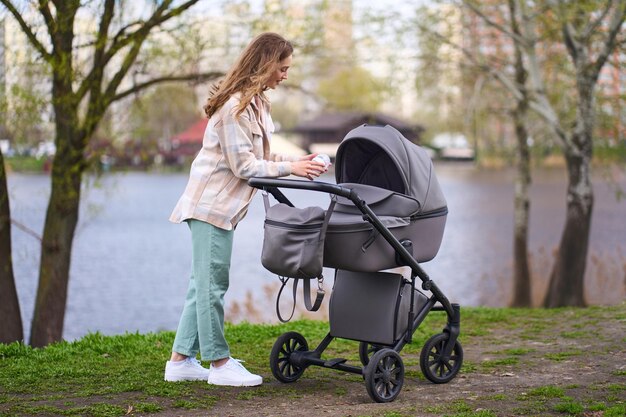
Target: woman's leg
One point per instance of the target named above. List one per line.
(201, 325)
(212, 250)
(186, 341)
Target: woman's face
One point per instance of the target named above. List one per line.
(280, 74)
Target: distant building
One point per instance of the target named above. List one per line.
(186, 144)
(324, 133)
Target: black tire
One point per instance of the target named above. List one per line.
(366, 350)
(434, 366)
(384, 376)
(280, 363)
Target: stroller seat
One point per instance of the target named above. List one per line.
(396, 179)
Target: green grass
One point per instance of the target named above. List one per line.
(25, 163)
(119, 375)
(562, 356)
(547, 392)
(498, 363)
(570, 407)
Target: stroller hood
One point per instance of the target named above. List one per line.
(380, 156)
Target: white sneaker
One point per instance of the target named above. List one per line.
(186, 370)
(233, 373)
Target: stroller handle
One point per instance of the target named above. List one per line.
(320, 186)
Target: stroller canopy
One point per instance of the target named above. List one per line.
(380, 156)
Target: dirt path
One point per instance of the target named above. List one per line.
(575, 365)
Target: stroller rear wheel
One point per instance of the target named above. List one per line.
(282, 367)
(434, 365)
(366, 350)
(384, 376)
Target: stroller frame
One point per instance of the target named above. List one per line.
(383, 371)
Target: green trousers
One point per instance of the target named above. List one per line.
(201, 325)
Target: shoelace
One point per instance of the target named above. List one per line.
(194, 362)
(238, 363)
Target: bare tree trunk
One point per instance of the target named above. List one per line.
(56, 248)
(521, 270)
(61, 219)
(11, 323)
(567, 277)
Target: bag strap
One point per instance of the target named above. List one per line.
(266, 200)
(329, 212)
(306, 292)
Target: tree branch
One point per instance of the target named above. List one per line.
(515, 37)
(27, 30)
(609, 45)
(103, 30)
(539, 101)
(570, 42)
(104, 96)
(159, 16)
(194, 78)
(26, 229)
(593, 25)
(497, 74)
(44, 9)
(94, 78)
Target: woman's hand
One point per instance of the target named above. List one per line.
(307, 168)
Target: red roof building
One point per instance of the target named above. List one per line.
(193, 135)
(186, 144)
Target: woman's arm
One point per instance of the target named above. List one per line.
(235, 136)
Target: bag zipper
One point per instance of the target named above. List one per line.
(435, 213)
(293, 226)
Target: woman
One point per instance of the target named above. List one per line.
(236, 146)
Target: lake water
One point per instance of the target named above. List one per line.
(130, 266)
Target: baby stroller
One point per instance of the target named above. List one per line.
(389, 212)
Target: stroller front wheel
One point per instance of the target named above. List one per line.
(434, 365)
(384, 376)
(281, 365)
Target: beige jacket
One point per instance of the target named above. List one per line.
(233, 150)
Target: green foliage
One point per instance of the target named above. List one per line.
(353, 89)
(25, 113)
(163, 112)
(25, 163)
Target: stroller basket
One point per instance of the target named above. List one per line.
(371, 307)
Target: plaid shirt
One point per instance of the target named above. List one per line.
(233, 150)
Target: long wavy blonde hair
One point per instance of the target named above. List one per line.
(251, 72)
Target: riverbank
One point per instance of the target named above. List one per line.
(517, 362)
